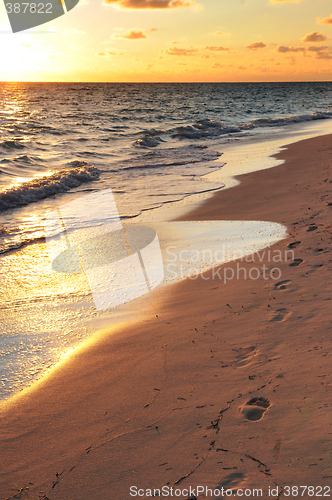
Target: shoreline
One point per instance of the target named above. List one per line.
(198, 369)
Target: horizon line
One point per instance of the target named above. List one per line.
(163, 82)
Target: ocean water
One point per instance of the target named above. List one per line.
(152, 144)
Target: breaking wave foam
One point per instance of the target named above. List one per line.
(43, 187)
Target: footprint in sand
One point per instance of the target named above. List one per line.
(245, 354)
(294, 244)
(296, 262)
(231, 481)
(255, 408)
(277, 449)
(281, 314)
(282, 285)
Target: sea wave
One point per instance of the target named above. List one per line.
(148, 141)
(10, 145)
(213, 128)
(22, 161)
(288, 120)
(171, 157)
(48, 185)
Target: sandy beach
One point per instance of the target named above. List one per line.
(225, 385)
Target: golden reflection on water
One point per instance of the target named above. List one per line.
(43, 315)
(21, 180)
(28, 275)
(15, 101)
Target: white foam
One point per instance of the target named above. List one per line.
(48, 185)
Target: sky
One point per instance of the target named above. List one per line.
(174, 41)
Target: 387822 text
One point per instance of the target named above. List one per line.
(310, 491)
(29, 8)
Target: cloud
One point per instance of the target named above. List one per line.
(314, 37)
(150, 4)
(256, 45)
(109, 53)
(131, 35)
(242, 67)
(323, 55)
(284, 49)
(326, 20)
(320, 50)
(317, 49)
(174, 51)
(216, 49)
(217, 65)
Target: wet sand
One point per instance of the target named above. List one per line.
(222, 385)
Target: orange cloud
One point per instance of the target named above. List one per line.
(217, 49)
(323, 55)
(314, 37)
(321, 52)
(131, 35)
(317, 49)
(150, 4)
(284, 49)
(109, 53)
(327, 20)
(256, 45)
(174, 51)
